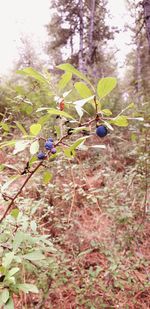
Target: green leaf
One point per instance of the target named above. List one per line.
(83, 101)
(2, 270)
(68, 153)
(14, 213)
(2, 166)
(108, 125)
(120, 121)
(131, 105)
(44, 119)
(35, 129)
(33, 73)
(4, 296)
(34, 147)
(105, 86)
(77, 143)
(12, 272)
(29, 110)
(33, 160)
(6, 144)
(57, 131)
(65, 79)
(80, 111)
(78, 129)
(53, 111)
(41, 109)
(78, 105)
(26, 288)
(133, 137)
(106, 112)
(34, 256)
(69, 68)
(20, 146)
(66, 93)
(18, 239)
(5, 126)
(83, 90)
(47, 177)
(10, 304)
(21, 128)
(7, 259)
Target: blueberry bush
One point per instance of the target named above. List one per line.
(60, 129)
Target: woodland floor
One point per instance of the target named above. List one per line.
(93, 210)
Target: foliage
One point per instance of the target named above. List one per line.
(81, 34)
(25, 249)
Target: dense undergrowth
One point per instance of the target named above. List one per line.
(74, 227)
(93, 213)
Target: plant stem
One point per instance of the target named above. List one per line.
(20, 190)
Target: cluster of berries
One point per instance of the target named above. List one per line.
(101, 131)
(48, 146)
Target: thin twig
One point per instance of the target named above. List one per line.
(74, 195)
(20, 190)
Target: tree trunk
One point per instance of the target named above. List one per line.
(81, 62)
(146, 7)
(91, 30)
(138, 72)
(71, 41)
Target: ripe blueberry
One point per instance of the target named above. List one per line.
(53, 150)
(41, 155)
(48, 145)
(101, 131)
(50, 139)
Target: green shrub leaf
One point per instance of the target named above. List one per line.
(105, 86)
(120, 121)
(33, 73)
(53, 111)
(20, 146)
(9, 304)
(65, 79)
(4, 296)
(47, 177)
(7, 259)
(18, 239)
(26, 288)
(69, 68)
(34, 147)
(83, 90)
(34, 256)
(35, 129)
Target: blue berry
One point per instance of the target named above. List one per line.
(50, 139)
(101, 131)
(53, 150)
(41, 155)
(48, 145)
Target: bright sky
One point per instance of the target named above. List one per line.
(120, 17)
(28, 17)
(17, 18)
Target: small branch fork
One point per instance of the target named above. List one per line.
(20, 190)
(32, 172)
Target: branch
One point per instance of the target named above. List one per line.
(20, 190)
(12, 200)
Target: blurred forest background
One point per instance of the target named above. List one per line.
(96, 206)
(85, 34)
